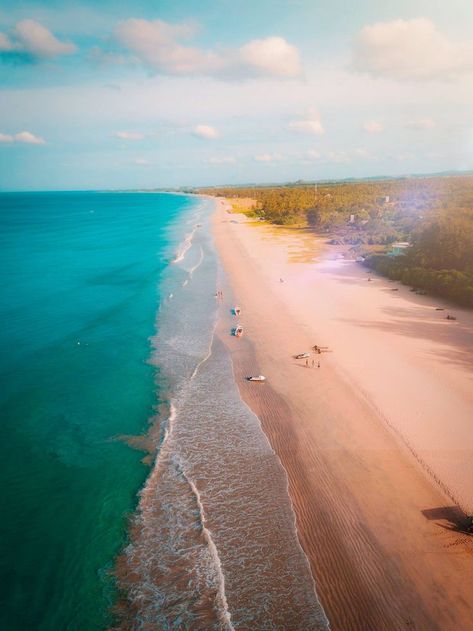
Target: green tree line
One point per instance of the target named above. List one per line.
(434, 214)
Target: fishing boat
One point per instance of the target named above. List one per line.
(236, 311)
(257, 378)
(238, 331)
(303, 356)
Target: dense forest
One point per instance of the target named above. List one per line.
(433, 214)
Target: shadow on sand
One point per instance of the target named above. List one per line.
(457, 520)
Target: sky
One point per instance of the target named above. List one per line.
(144, 94)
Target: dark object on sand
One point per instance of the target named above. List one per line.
(439, 309)
(450, 317)
(395, 289)
(469, 524)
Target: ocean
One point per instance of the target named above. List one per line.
(108, 336)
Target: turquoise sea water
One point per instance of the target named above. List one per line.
(79, 278)
(108, 309)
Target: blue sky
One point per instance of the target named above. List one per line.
(145, 94)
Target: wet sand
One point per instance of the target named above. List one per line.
(377, 443)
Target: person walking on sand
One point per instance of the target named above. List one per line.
(318, 364)
(307, 363)
(313, 363)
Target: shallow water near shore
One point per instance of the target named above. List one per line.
(214, 544)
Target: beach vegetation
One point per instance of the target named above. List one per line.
(434, 215)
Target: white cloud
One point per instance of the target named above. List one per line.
(410, 50)
(158, 44)
(421, 123)
(272, 56)
(29, 138)
(129, 135)
(372, 127)
(205, 131)
(32, 38)
(310, 125)
(25, 137)
(268, 157)
(155, 43)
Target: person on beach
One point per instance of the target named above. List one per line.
(307, 363)
(313, 363)
(318, 364)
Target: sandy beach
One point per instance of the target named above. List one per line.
(377, 443)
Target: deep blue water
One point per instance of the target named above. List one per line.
(79, 282)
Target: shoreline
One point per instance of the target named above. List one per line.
(362, 505)
(212, 543)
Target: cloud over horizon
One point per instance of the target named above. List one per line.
(205, 131)
(34, 42)
(408, 50)
(25, 137)
(158, 44)
(268, 157)
(129, 135)
(311, 125)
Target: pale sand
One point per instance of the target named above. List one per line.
(399, 381)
